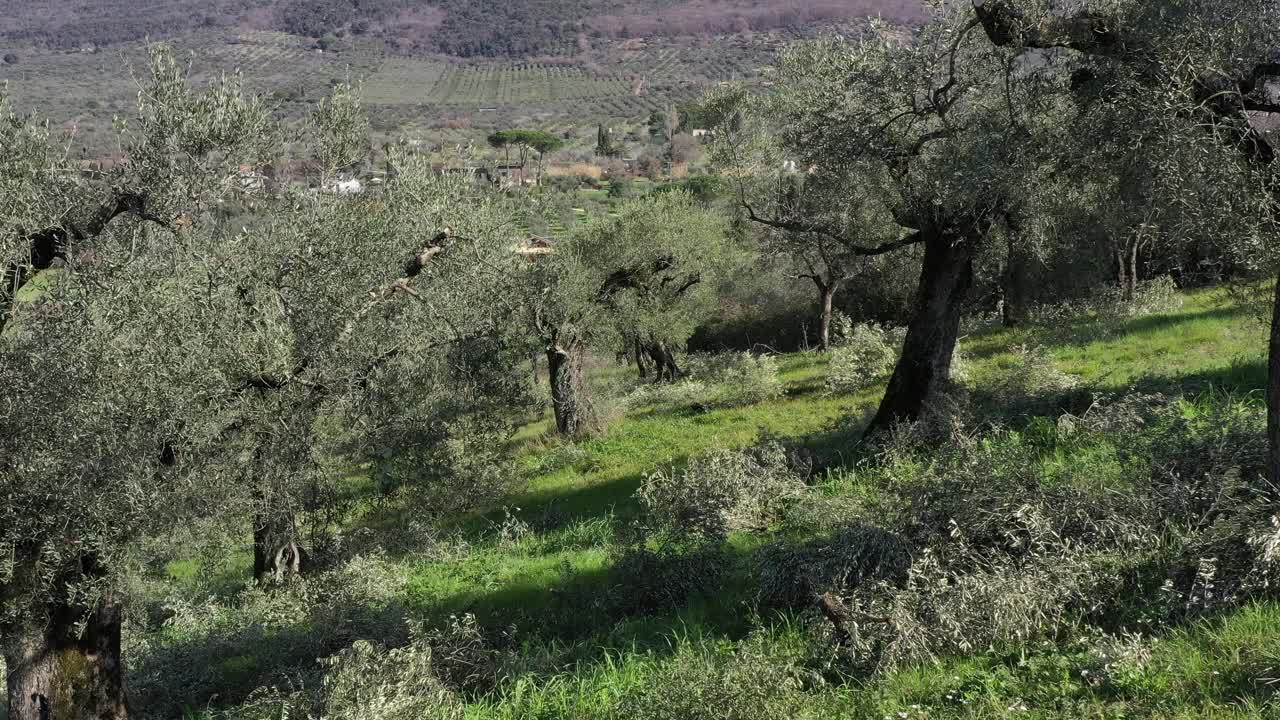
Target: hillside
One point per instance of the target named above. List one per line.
(458, 27)
(543, 617)
(443, 73)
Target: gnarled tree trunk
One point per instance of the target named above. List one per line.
(277, 554)
(637, 351)
(59, 669)
(569, 399)
(664, 362)
(924, 367)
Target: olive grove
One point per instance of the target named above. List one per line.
(174, 364)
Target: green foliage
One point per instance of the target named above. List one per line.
(366, 681)
(711, 381)
(863, 354)
(657, 262)
(1029, 384)
(721, 492)
(341, 132)
(219, 650)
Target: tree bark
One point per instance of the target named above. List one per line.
(664, 362)
(60, 670)
(1013, 283)
(826, 303)
(277, 555)
(1273, 390)
(1131, 291)
(924, 368)
(638, 352)
(569, 400)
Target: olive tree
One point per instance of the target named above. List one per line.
(647, 272)
(819, 222)
(936, 120)
(1198, 71)
(352, 329)
(183, 366)
(101, 407)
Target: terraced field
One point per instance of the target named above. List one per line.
(432, 99)
(405, 81)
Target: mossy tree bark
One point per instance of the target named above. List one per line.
(64, 662)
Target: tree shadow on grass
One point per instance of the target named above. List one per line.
(621, 603)
(214, 666)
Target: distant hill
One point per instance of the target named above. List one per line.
(464, 28)
(442, 73)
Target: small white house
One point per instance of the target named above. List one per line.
(346, 187)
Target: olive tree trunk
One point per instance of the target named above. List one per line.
(924, 368)
(664, 362)
(277, 555)
(66, 663)
(637, 351)
(569, 398)
(826, 308)
(1013, 282)
(1273, 390)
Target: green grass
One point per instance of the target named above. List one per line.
(1206, 343)
(537, 562)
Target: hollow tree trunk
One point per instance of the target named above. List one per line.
(826, 304)
(1273, 391)
(924, 367)
(569, 399)
(277, 555)
(58, 668)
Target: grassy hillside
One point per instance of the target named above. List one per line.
(530, 617)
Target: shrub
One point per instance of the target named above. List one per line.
(365, 681)
(660, 576)
(993, 539)
(706, 683)
(737, 379)
(716, 381)
(1108, 306)
(1030, 384)
(863, 354)
(795, 574)
(225, 648)
(11, 59)
(721, 492)
(1156, 296)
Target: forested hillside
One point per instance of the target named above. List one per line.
(491, 28)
